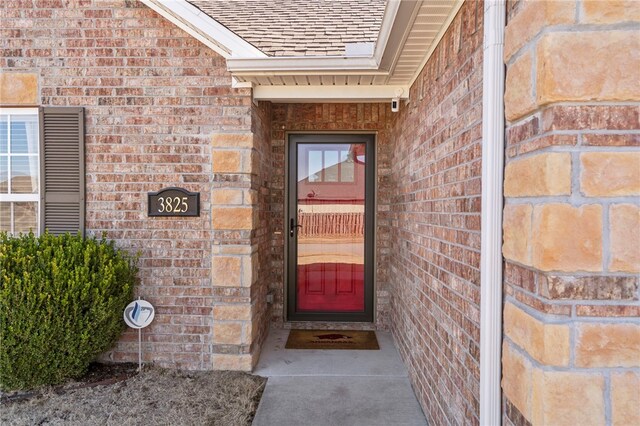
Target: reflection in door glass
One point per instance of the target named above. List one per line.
(330, 212)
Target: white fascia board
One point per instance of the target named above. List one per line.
(436, 41)
(301, 63)
(204, 28)
(330, 93)
(388, 19)
(240, 84)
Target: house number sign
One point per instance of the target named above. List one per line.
(174, 202)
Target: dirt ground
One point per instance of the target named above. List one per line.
(153, 397)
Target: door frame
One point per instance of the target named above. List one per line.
(293, 139)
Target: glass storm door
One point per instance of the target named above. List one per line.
(330, 228)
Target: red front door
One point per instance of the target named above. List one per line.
(328, 228)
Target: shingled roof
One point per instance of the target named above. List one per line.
(299, 27)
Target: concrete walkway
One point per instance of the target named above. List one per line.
(335, 387)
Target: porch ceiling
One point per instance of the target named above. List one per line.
(410, 31)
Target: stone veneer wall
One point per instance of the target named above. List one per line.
(241, 234)
(153, 98)
(434, 280)
(571, 352)
(332, 117)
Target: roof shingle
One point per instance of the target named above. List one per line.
(298, 27)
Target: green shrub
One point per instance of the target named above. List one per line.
(61, 304)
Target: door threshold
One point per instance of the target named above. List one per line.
(329, 325)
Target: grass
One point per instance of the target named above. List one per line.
(154, 397)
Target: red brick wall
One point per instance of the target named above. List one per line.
(153, 95)
(323, 118)
(435, 143)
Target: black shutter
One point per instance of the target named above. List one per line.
(61, 170)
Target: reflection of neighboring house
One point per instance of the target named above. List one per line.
(332, 185)
(331, 200)
(25, 212)
(20, 184)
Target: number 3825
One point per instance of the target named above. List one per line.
(172, 205)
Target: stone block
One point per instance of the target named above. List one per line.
(532, 18)
(227, 333)
(567, 238)
(226, 271)
(518, 95)
(610, 11)
(516, 379)
(610, 174)
(516, 226)
(232, 312)
(567, 70)
(232, 140)
(567, 398)
(19, 89)
(546, 343)
(226, 196)
(624, 236)
(227, 161)
(236, 218)
(625, 399)
(608, 345)
(538, 175)
(251, 197)
(242, 362)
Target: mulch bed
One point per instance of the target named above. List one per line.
(115, 394)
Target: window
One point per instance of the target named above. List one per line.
(19, 170)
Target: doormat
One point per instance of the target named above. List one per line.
(332, 339)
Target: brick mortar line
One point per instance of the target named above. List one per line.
(575, 200)
(607, 399)
(569, 132)
(574, 149)
(573, 338)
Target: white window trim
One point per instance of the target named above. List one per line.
(17, 198)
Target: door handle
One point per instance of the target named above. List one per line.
(292, 227)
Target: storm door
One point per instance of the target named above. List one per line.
(330, 228)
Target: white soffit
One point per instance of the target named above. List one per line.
(431, 23)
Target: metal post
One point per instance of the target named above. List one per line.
(139, 350)
(139, 347)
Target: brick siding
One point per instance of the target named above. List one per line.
(435, 232)
(153, 95)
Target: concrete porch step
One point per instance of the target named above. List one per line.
(334, 401)
(335, 387)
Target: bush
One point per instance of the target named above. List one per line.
(61, 304)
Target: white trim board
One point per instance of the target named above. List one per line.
(204, 28)
(330, 93)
